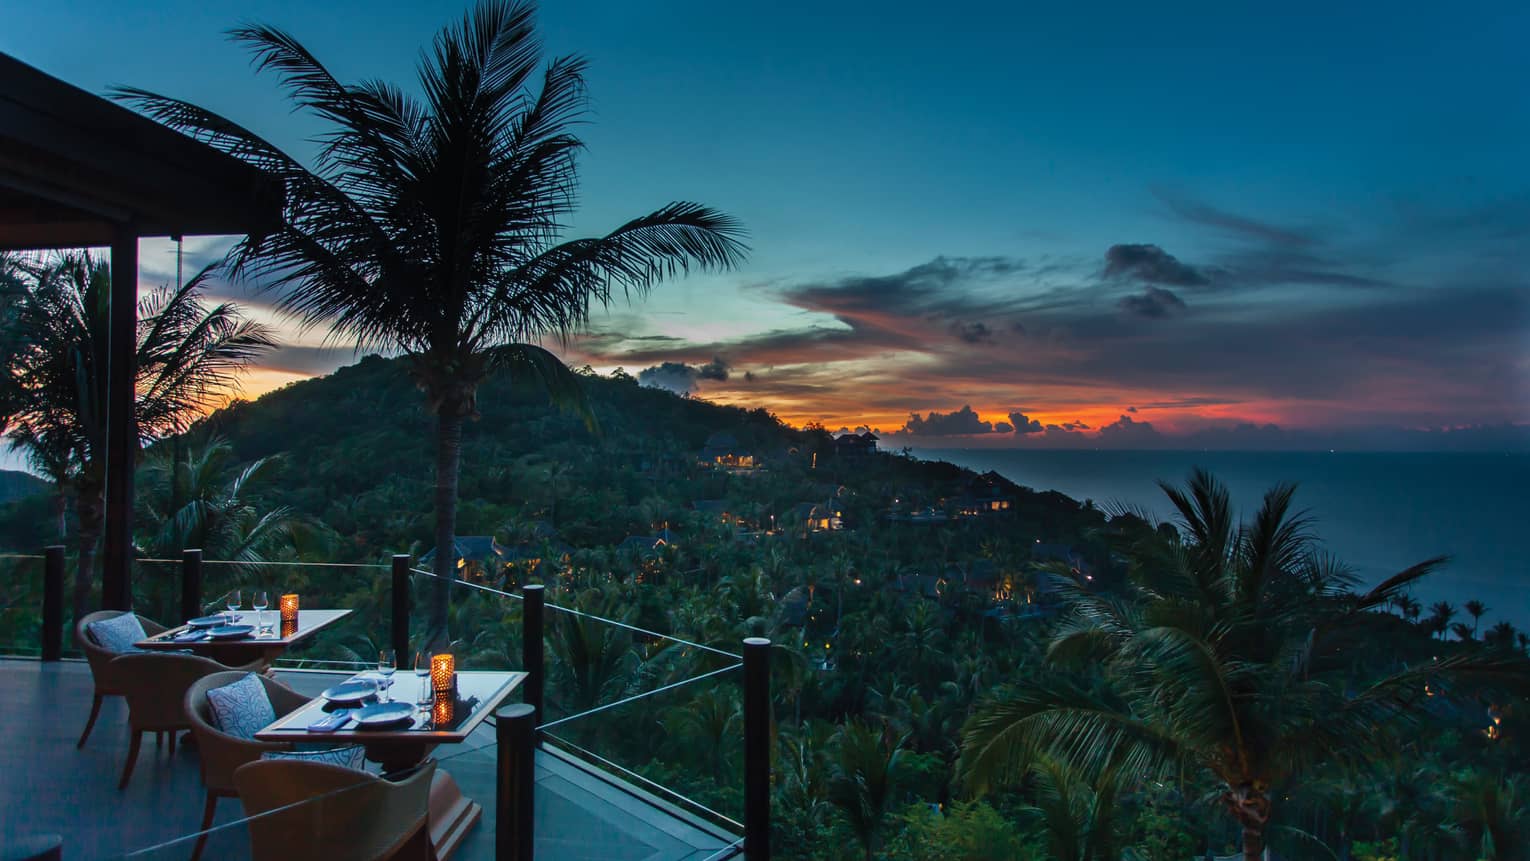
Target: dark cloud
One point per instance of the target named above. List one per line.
(1024, 424)
(1003, 427)
(972, 333)
(962, 422)
(308, 360)
(716, 369)
(1240, 225)
(683, 379)
(1127, 432)
(1154, 303)
(1269, 254)
(1144, 262)
(1131, 409)
(1279, 266)
(676, 377)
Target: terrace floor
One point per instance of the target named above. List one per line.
(48, 786)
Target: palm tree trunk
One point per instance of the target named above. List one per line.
(1251, 806)
(60, 510)
(90, 508)
(448, 462)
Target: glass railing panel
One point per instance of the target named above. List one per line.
(371, 817)
(479, 624)
(673, 727)
(21, 597)
(156, 585)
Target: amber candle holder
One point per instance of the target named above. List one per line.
(289, 608)
(443, 707)
(288, 629)
(443, 674)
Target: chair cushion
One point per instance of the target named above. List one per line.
(242, 708)
(353, 756)
(117, 634)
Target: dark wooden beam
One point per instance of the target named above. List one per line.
(68, 157)
(121, 424)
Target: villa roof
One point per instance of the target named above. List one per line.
(472, 547)
(74, 166)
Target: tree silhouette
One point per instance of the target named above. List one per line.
(429, 225)
(53, 395)
(1234, 653)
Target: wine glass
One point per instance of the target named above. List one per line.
(260, 602)
(422, 697)
(232, 602)
(387, 663)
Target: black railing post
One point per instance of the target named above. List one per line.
(191, 584)
(532, 647)
(400, 639)
(53, 603)
(515, 729)
(756, 749)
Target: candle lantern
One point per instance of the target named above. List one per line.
(288, 629)
(289, 608)
(443, 674)
(443, 709)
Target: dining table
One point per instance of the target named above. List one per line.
(449, 717)
(265, 642)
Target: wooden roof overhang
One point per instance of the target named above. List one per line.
(75, 169)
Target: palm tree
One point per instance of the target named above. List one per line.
(1440, 614)
(429, 226)
(53, 394)
(1492, 816)
(1235, 653)
(198, 497)
(1501, 635)
(1476, 609)
(1078, 822)
(864, 771)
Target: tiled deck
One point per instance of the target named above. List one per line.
(50, 787)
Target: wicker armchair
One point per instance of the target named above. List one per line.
(220, 753)
(106, 682)
(308, 811)
(155, 685)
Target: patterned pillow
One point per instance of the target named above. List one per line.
(241, 709)
(345, 757)
(117, 634)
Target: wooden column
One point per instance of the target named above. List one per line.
(191, 583)
(53, 603)
(757, 714)
(515, 783)
(121, 424)
(399, 639)
(533, 659)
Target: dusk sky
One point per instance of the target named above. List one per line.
(1126, 225)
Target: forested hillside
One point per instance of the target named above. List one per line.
(356, 452)
(15, 485)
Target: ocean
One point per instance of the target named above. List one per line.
(1380, 512)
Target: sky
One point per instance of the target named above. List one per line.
(1037, 225)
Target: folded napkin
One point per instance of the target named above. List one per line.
(330, 722)
(190, 636)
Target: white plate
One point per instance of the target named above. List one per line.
(384, 714)
(350, 692)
